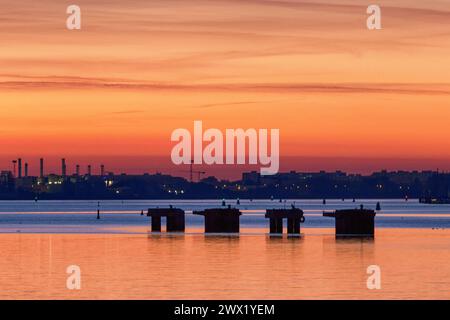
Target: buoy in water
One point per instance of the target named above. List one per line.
(378, 208)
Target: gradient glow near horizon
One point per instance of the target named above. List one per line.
(138, 69)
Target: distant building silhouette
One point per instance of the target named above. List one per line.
(430, 186)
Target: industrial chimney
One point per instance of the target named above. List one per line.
(63, 167)
(19, 167)
(77, 170)
(26, 169)
(41, 168)
(89, 170)
(102, 170)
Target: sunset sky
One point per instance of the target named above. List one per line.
(342, 96)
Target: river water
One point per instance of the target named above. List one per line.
(120, 259)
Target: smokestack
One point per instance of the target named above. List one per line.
(63, 167)
(19, 167)
(102, 170)
(77, 170)
(89, 170)
(26, 169)
(41, 168)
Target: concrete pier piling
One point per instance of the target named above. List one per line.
(294, 217)
(175, 219)
(353, 222)
(223, 220)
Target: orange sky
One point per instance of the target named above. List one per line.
(140, 69)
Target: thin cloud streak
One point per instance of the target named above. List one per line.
(345, 88)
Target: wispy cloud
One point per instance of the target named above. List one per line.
(226, 104)
(124, 112)
(64, 83)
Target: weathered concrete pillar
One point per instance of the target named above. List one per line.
(293, 225)
(294, 217)
(353, 222)
(156, 224)
(175, 220)
(221, 224)
(276, 225)
(175, 223)
(221, 220)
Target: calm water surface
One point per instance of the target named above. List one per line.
(80, 216)
(120, 259)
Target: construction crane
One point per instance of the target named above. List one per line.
(192, 171)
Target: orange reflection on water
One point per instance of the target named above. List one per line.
(414, 264)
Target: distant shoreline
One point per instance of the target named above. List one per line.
(286, 185)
